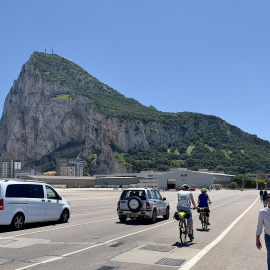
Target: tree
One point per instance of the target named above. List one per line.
(233, 185)
(262, 176)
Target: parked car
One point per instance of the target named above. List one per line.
(30, 201)
(142, 203)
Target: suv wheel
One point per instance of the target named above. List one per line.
(154, 216)
(167, 215)
(134, 204)
(123, 219)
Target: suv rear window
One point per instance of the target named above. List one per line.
(131, 193)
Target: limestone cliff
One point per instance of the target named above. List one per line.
(45, 119)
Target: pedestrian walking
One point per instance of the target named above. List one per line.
(264, 197)
(264, 221)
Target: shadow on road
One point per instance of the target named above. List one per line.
(180, 245)
(203, 230)
(139, 221)
(4, 229)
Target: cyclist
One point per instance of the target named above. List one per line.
(185, 198)
(203, 201)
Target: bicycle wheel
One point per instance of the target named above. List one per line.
(202, 217)
(183, 231)
(205, 223)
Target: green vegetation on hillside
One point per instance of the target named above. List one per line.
(163, 157)
(107, 101)
(203, 141)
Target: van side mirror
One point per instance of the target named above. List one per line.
(164, 199)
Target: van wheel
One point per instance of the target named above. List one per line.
(17, 221)
(64, 216)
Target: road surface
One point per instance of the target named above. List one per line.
(95, 239)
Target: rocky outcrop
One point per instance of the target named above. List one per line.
(39, 122)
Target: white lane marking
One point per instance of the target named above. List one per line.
(90, 247)
(239, 203)
(59, 228)
(104, 243)
(206, 249)
(216, 206)
(91, 222)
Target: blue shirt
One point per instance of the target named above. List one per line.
(203, 200)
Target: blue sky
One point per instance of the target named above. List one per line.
(205, 56)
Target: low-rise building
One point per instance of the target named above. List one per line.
(175, 178)
(65, 181)
(19, 174)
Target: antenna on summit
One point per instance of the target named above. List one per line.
(45, 50)
(52, 51)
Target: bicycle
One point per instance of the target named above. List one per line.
(202, 217)
(182, 217)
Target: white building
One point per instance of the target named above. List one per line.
(72, 167)
(175, 178)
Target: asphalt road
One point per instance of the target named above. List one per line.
(95, 239)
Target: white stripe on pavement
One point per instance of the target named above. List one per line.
(90, 247)
(206, 249)
(127, 235)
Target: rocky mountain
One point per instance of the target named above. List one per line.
(55, 109)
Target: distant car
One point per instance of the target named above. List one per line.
(142, 203)
(192, 188)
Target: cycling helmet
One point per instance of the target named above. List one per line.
(185, 186)
(203, 190)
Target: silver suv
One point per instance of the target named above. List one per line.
(142, 203)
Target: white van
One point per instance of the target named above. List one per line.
(30, 201)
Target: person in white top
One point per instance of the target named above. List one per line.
(264, 221)
(185, 199)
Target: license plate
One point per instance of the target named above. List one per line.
(133, 215)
